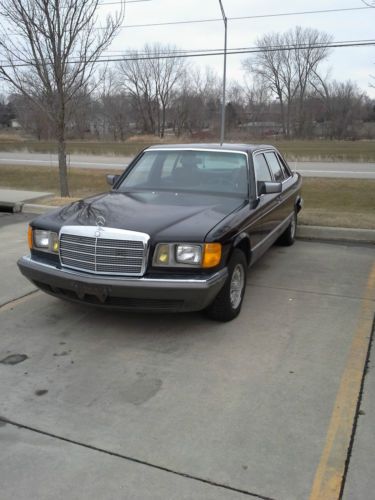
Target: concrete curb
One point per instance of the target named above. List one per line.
(336, 234)
(11, 200)
(34, 208)
(304, 232)
(14, 207)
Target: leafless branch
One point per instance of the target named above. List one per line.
(49, 49)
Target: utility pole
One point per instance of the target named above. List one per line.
(225, 73)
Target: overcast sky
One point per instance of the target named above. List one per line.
(356, 64)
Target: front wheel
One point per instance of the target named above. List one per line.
(227, 304)
(289, 235)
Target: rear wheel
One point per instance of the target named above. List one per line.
(289, 235)
(227, 304)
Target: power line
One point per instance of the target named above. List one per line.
(234, 51)
(212, 20)
(250, 50)
(239, 18)
(136, 54)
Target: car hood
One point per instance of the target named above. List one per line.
(164, 216)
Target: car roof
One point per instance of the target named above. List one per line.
(244, 148)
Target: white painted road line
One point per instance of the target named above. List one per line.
(359, 170)
(55, 163)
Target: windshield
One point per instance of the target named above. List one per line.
(187, 170)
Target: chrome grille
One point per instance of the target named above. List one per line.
(103, 250)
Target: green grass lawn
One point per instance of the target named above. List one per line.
(328, 202)
(293, 150)
(82, 182)
(328, 150)
(339, 202)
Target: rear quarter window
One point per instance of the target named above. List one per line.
(284, 166)
(275, 167)
(262, 172)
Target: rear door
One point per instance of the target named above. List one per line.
(281, 173)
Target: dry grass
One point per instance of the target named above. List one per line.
(326, 150)
(12, 137)
(318, 217)
(57, 201)
(83, 182)
(328, 202)
(339, 202)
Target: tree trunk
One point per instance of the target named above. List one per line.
(282, 110)
(63, 171)
(163, 118)
(288, 120)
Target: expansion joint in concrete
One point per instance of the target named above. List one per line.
(216, 484)
(357, 413)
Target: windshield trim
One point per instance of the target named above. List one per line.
(186, 190)
(213, 150)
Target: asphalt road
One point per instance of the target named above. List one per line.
(111, 405)
(308, 169)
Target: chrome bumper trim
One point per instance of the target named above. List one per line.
(70, 273)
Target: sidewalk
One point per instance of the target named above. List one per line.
(12, 200)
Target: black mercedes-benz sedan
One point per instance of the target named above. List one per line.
(176, 232)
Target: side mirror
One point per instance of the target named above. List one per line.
(269, 187)
(112, 179)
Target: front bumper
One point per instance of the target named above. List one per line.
(192, 293)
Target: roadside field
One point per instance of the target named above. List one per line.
(328, 201)
(338, 202)
(82, 182)
(294, 150)
(327, 150)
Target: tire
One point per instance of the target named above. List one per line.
(289, 235)
(227, 304)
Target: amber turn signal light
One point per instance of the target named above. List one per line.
(212, 254)
(30, 237)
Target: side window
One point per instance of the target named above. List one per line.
(284, 167)
(274, 164)
(262, 172)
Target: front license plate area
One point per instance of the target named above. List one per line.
(83, 289)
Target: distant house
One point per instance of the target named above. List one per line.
(15, 124)
(264, 128)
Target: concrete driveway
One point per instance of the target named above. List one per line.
(97, 404)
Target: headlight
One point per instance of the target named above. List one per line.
(47, 241)
(187, 255)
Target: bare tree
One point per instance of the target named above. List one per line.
(7, 112)
(50, 48)
(115, 105)
(31, 117)
(257, 101)
(168, 73)
(150, 78)
(136, 76)
(285, 65)
(206, 88)
(344, 106)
